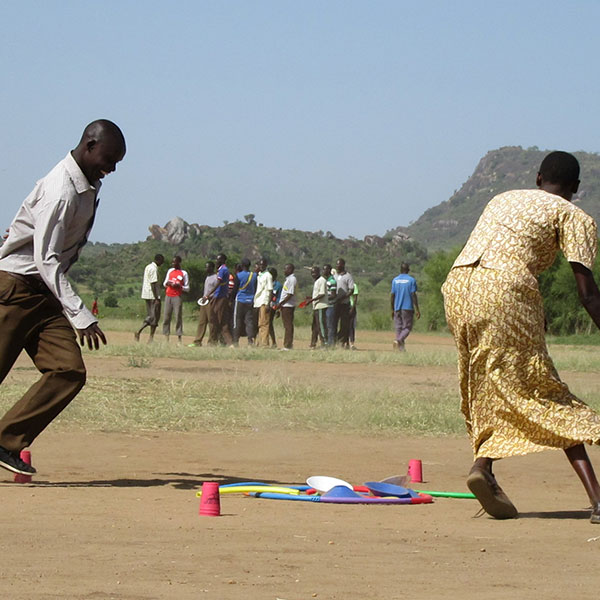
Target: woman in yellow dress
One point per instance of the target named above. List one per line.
(512, 398)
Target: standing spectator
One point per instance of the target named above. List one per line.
(243, 310)
(176, 282)
(262, 302)
(231, 294)
(219, 312)
(345, 288)
(277, 287)
(353, 306)
(330, 313)
(39, 311)
(287, 306)
(404, 305)
(151, 296)
(205, 305)
(319, 306)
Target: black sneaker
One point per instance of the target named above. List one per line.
(11, 461)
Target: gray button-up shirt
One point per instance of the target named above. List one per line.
(50, 229)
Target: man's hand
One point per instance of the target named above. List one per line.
(91, 334)
(418, 313)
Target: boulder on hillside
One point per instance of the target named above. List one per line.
(174, 232)
(374, 240)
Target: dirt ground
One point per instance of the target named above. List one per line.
(115, 516)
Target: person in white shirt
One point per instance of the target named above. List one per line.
(38, 307)
(319, 304)
(262, 302)
(287, 305)
(345, 289)
(151, 295)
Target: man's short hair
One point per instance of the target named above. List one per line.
(210, 265)
(560, 167)
(245, 262)
(221, 256)
(159, 257)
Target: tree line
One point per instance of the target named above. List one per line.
(564, 313)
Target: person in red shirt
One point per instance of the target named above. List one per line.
(176, 282)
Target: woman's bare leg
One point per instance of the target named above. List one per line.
(580, 461)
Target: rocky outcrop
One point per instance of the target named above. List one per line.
(175, 231)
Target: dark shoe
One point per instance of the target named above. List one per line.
(12, 462)
(595, 518)
(490, 495)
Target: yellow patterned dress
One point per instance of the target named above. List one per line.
(512, 398)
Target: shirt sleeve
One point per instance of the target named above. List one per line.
(152, 273)
(51, 221)
(186, 282)
(578, 238)
(291, 286)
(167, 277)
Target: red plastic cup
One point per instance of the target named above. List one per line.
(26, 458)
(415, 470)
(210, 501)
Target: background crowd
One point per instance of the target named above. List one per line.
(244, 303)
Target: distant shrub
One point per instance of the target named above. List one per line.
(379, 321)
(111, 301)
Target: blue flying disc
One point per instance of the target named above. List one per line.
(378, 488)
(340, 491)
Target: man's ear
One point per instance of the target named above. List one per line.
(575, 186)
(90, 145)
(538, 180)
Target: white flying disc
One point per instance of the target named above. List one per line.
(323, 484)
(202, 301)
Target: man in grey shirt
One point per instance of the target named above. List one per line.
(38, 306)
(210, 283)
(345, 289)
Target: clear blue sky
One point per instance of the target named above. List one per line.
(346, 116)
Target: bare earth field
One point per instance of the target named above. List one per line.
(115, 515)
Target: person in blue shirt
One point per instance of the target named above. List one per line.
(405, 305)
(218, 296)
(243, 307)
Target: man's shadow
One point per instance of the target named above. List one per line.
(180, 481)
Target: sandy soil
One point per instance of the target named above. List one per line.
(116, 516)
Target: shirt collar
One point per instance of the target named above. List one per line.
(77, 177)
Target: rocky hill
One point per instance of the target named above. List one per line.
(375, 258)
(448, 224)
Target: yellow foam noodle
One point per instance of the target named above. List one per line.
(241, 489)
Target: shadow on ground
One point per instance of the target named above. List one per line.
(181, 481)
